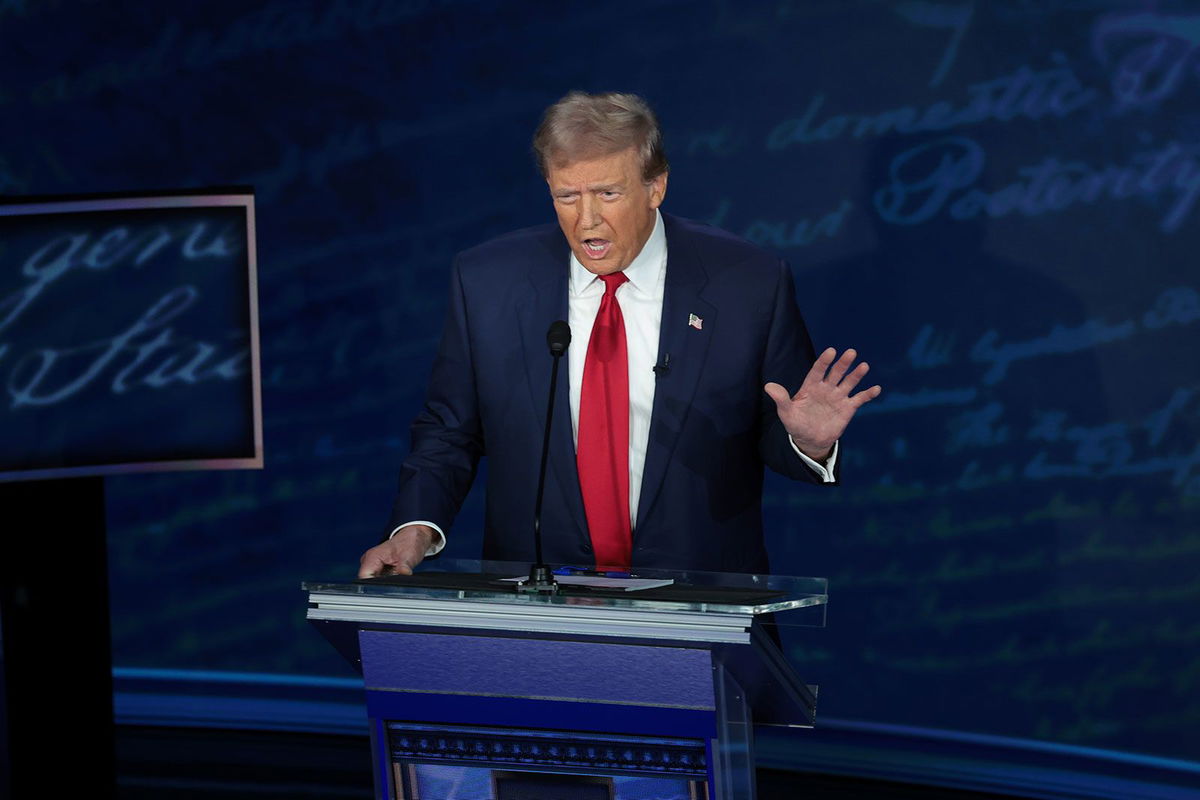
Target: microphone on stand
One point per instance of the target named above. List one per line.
(541, 577)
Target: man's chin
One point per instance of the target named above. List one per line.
(606, 265)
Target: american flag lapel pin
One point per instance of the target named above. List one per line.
(695, 322)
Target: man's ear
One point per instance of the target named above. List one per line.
(658, 190)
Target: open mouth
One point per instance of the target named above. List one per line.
(596, 248)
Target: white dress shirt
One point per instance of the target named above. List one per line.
(641, 301)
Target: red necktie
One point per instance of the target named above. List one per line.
(602, 448)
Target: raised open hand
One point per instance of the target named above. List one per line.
(818, 413)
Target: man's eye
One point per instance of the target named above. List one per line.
(566, 199)
(609, 195)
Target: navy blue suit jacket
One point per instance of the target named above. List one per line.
(712, 428)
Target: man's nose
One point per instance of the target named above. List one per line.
(589, 211)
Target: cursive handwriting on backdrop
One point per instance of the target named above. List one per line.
(148, 349)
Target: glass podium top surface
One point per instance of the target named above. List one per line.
(690, 590)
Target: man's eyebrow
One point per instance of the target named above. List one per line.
(597, 187)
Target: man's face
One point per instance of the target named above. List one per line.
(605, 209)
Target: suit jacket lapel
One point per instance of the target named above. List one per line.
(547, 275)
(687, 347)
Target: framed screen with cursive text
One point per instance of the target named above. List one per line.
(128, 334)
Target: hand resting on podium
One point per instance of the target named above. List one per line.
(400, 554)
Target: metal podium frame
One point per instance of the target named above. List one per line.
(611, 683)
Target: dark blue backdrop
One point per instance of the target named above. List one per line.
(996, 203)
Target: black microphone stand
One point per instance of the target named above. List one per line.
(541, 577)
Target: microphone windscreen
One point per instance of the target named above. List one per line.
(558, 337)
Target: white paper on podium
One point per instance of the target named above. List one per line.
(602, 582)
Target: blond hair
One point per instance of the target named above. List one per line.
(583, 125)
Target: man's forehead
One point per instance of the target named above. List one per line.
(609, 168)
(590, 183)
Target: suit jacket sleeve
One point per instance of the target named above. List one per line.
(447, 436)
(788, 357)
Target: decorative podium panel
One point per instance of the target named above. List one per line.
(475, 690)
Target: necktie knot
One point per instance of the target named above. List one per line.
(611, 282)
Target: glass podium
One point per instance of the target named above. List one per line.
(474, 689)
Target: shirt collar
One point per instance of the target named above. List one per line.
(644, 272)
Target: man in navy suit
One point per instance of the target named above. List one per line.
(665, 469)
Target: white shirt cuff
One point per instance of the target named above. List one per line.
(824, 470)
(439, 541)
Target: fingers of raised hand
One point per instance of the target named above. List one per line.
(839, 370)
(823, 363)
(777, 393)
(816, 373)
(852, 377)
(866, 396)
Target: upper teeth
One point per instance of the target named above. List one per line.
(595, 245)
